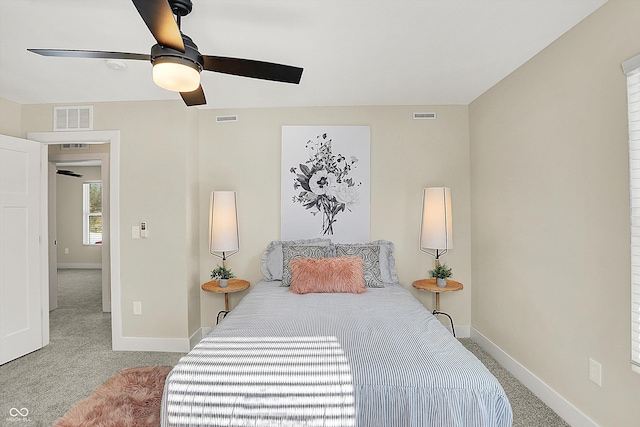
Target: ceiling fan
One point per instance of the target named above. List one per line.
(68, 173)
(176, 61)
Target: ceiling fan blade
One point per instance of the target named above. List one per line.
(253, 69)
(158, 16)
(68, 173)
(90, 54)
(194, 98)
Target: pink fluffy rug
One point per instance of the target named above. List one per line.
(132, 397)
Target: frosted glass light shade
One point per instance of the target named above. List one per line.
(436, 231)
(223, 222)
(176, 76)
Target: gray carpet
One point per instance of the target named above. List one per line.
(528, 410)
(79, 358)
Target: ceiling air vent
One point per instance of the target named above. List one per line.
(72, 118)
(74, 146)
(424, 116)
(226, 118)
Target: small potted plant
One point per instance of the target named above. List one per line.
(223, 274)
(440, 273)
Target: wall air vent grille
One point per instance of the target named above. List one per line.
(74, 146)
(72, 118)
(226, 118)
(424, 116)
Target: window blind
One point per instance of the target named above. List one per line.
(632, 69)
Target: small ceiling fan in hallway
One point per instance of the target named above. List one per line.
(176, 61)
(68, 173)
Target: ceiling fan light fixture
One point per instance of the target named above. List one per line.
(176, 75)
(175, 58)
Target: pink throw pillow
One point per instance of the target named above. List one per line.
(315, 275)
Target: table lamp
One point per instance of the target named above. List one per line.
(223, 225)
(436, 232)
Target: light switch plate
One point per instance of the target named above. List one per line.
(595, 372)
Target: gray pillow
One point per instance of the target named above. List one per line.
(387, 262)
(272, 259)
(290, 252)
(370, 255)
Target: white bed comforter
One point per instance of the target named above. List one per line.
(373, 359)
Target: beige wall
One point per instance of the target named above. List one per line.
(154, 150)
(550, 224)
(406, 156)
(172, 157)
(10, 118)
(69, 217)
(193, 232)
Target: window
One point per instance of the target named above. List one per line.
(631, 68)
(92, 213)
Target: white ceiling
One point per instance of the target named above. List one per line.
(354, 52)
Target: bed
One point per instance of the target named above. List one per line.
(376, 358)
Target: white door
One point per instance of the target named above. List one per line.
(20, 287)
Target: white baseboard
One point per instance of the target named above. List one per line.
(555, 401)
(170, 345)
(197, 336)
(206, 330)
(78, 265)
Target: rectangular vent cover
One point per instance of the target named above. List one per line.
(226, 118)
(72, 118)
(424, 116)
(74, 146)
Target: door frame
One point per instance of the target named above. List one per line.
(91, 137)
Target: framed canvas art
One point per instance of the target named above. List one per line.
(325, 183)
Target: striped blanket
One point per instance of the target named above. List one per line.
(373, 359)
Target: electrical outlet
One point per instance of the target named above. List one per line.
(137, 308)
(595, 372)
(66, 250)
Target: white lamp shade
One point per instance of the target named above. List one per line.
(436, 231)
(176, 76)
(223, 222)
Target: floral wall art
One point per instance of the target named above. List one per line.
(325, 183)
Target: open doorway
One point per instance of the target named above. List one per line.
(79, 215)
(76, 228)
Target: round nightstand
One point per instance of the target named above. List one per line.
(431, 286)
(235, 285)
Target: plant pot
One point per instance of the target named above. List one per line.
(223, 283)
(442, 283)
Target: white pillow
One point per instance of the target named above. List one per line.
(272, 259)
